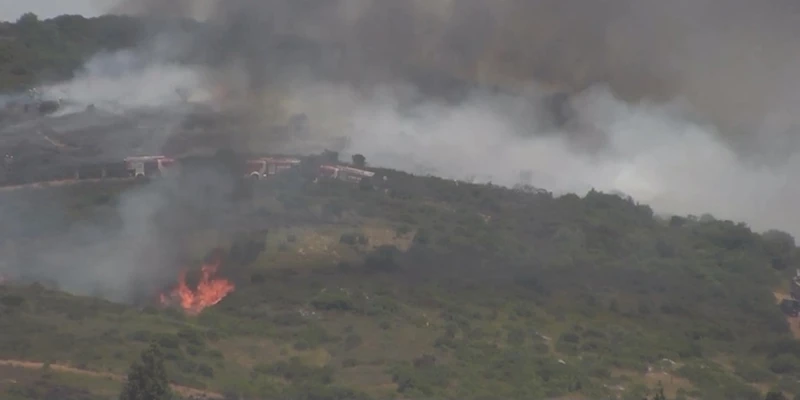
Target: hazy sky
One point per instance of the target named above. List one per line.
(10, 10)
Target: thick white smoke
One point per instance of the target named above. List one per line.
(127, 250)
(128, 79)
(656, 153)
(106, 258)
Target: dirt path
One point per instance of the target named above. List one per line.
(181, 390)
(64, 182)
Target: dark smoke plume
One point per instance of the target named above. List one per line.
(733, 61)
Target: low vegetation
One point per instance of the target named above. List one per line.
(430, 288)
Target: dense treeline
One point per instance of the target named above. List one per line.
(33, 50)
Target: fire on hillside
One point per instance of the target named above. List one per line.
(209, 290)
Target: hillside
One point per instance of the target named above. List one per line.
(419, 288)
(428, 289)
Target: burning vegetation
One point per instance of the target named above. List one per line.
(209, 290)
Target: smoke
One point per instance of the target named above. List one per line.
(685, 105)
(659, 153)
(733, 62)
(128, 79)
(127, 250)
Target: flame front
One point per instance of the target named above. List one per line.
(209, 291)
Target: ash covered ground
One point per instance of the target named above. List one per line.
(40, 146)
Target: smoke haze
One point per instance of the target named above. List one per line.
(688, 106)
(128, 250)
(733, 61)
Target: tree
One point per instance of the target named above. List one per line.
(359, 160)
(330, 156)
(147, 378)
(780, 246)
(28, 20)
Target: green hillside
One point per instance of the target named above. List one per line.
(436, 289)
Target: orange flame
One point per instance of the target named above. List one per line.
(209, 291)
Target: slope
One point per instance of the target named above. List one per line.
(438, 289)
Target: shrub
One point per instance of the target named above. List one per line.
(349, 363)
(168, 341)
(784, 363)
(352, 341)
(333, 300)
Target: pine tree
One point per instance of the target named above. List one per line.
(147, 378)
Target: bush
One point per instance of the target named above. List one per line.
(422, 237)
(191, 336)
(301, 345)
(295, 371)
(752, 373)
(168, 341)
(516, 337)
(352, 341)
(205, 370)
(12, 300)
(333, 300)
(783, 364)
(382, 259)
(349, 363)
(141, 336)
(353, 239)
(289, 319)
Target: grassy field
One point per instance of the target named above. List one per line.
(430, 289)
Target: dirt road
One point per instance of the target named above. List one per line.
(64, 182)
(181, 390)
